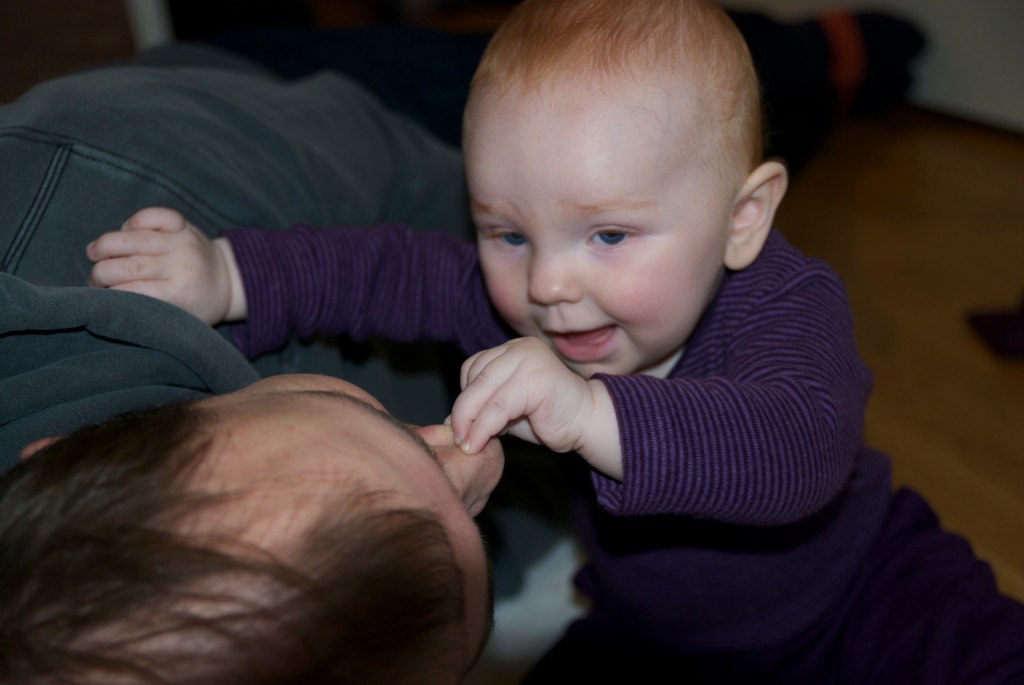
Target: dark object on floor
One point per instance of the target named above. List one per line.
(1002, 331)
(419, 72)
(816, 71)
(196, 19)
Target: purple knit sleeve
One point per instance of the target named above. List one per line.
(761, 421)
(386, 281)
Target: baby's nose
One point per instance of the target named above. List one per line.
(553, 281)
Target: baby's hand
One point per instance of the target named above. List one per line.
(522, 388)
(159, 253)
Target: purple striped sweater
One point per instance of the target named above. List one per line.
(748, 499)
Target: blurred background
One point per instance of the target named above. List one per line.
(906, 144)
(972, 68)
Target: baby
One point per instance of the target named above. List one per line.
(706, 371)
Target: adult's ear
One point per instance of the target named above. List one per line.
(36, 445)
(754, 212)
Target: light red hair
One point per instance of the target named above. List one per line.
(555, 43)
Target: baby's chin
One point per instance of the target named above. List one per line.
(590, 369)
(659, 367)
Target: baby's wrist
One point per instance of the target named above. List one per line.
(236, 304)
(599, 443)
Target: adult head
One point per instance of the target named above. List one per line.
(614, 159)
(72, 355)
(288, 532)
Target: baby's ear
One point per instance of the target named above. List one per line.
(754, 212)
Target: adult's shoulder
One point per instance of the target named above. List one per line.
(244, 147)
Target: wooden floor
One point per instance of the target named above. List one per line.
(922, 215)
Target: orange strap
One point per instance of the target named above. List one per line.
(848, 59)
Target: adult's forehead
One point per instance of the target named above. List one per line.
(308, 429)
(297, 382)
(322, 427)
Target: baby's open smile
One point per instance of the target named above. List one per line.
(586, 346)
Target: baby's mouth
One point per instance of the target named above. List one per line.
(585, 346)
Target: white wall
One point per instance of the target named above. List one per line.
(150, 21)
(974, 63)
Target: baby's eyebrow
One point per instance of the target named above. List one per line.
(602, 207)
(477, 207)
(352, 400)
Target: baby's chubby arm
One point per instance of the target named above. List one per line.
(159, 253)
(523, 389)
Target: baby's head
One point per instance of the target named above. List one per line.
(591, 47)
(614, 156)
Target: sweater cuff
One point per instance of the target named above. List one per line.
(265, 292)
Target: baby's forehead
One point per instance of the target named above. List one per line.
(657, 101)
(657, 113)
(688, 124)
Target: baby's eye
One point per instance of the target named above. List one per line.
(514, 239)
(610, 237)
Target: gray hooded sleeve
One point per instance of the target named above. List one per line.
(74, 356)
(228, 145)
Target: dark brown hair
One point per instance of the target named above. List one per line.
(102, 582)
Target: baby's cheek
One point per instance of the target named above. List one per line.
(636, 299)
(512, 305)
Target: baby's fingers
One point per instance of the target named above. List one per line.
(492, 421)
(130, 243)
(118, 271)
(157, 289)
(156, 219)
(474, 394)
(150, 231)
(485, 408)
(474, 424)
(475, 365)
